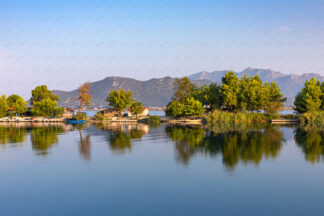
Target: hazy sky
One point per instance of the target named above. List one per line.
(63, 43)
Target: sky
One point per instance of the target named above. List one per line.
(64, 43)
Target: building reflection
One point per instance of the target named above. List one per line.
(120, 136)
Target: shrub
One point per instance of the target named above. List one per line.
(217, 116)
(80, 116)
(99, 116)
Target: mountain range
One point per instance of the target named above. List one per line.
(158, 92)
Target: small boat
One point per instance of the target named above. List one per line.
(72, 121)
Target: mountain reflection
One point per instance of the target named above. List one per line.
(311, 141)
(120, 135)
(245, 144)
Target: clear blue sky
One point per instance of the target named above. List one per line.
(63, 43)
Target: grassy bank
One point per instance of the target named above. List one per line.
(217, 117)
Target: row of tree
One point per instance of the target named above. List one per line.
(234, 94)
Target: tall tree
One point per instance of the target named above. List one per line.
(175, 109)
(136, 108)
(120, 99)
(18, 104)
(84, 95)
(3, 106)
(40, 93)
(230, 89)
(309, 98)
(183, 89)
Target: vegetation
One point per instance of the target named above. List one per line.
(79, 116)
(99, 116)
(84, 95)
(136, 108)
(45, 102)
(18, 104)
(248, 94)
(226, 117)
(120, 99)
(3, 106)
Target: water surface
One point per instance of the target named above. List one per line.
(117, 169)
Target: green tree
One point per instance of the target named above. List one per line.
(40, 93)
(47, 108)
(18, 104)
(183, 89)
(193, 107)
(120, 99)
(84, 95)
(230, 89)
(209, 96)
(275, 98)
(175, 109)
(136, 108)
(309, 98)
(3, 106)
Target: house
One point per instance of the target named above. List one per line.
(109, 112)
(145, 112)
(68, 113)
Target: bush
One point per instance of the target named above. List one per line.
(217, 116)
(312, 118)
(79, 116)
(99, 116)
(290, 116)
(153, 119)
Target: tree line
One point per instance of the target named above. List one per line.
(232, 95)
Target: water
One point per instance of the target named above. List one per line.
(151, 112)
(118, 169)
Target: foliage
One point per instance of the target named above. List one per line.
(209, 96)
(120, 99)
(309, 99)
(79, 116)
(136, 108)
(193, 107)
(175, 109)
(230, 90)
(47, 108)
(17, 103)
(313, 118)
(153, 120)
(99, 116)
(3, 106)
(84, 95)
(41, 93)
(217, 116)
(183, 89)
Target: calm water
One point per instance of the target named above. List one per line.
(162, 170)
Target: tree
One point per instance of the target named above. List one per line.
(183, 89)
(84, 95)
(3, 106)
(193, 107)
(120, 99)
(40, 93)
(230, 89)
(209, 96)
(275, 98)
(18, 104)
(309, 99)
(46, 108)
(136, 108)
(175, 109)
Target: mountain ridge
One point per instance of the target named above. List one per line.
(157, 92)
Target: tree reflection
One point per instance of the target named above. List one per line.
(247, 145)
(43, 138)
(311, 141)
(120, 135)
(84, 143)
(12, 134)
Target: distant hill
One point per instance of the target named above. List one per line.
(290, 84)
(153, 92)
(158, 92)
